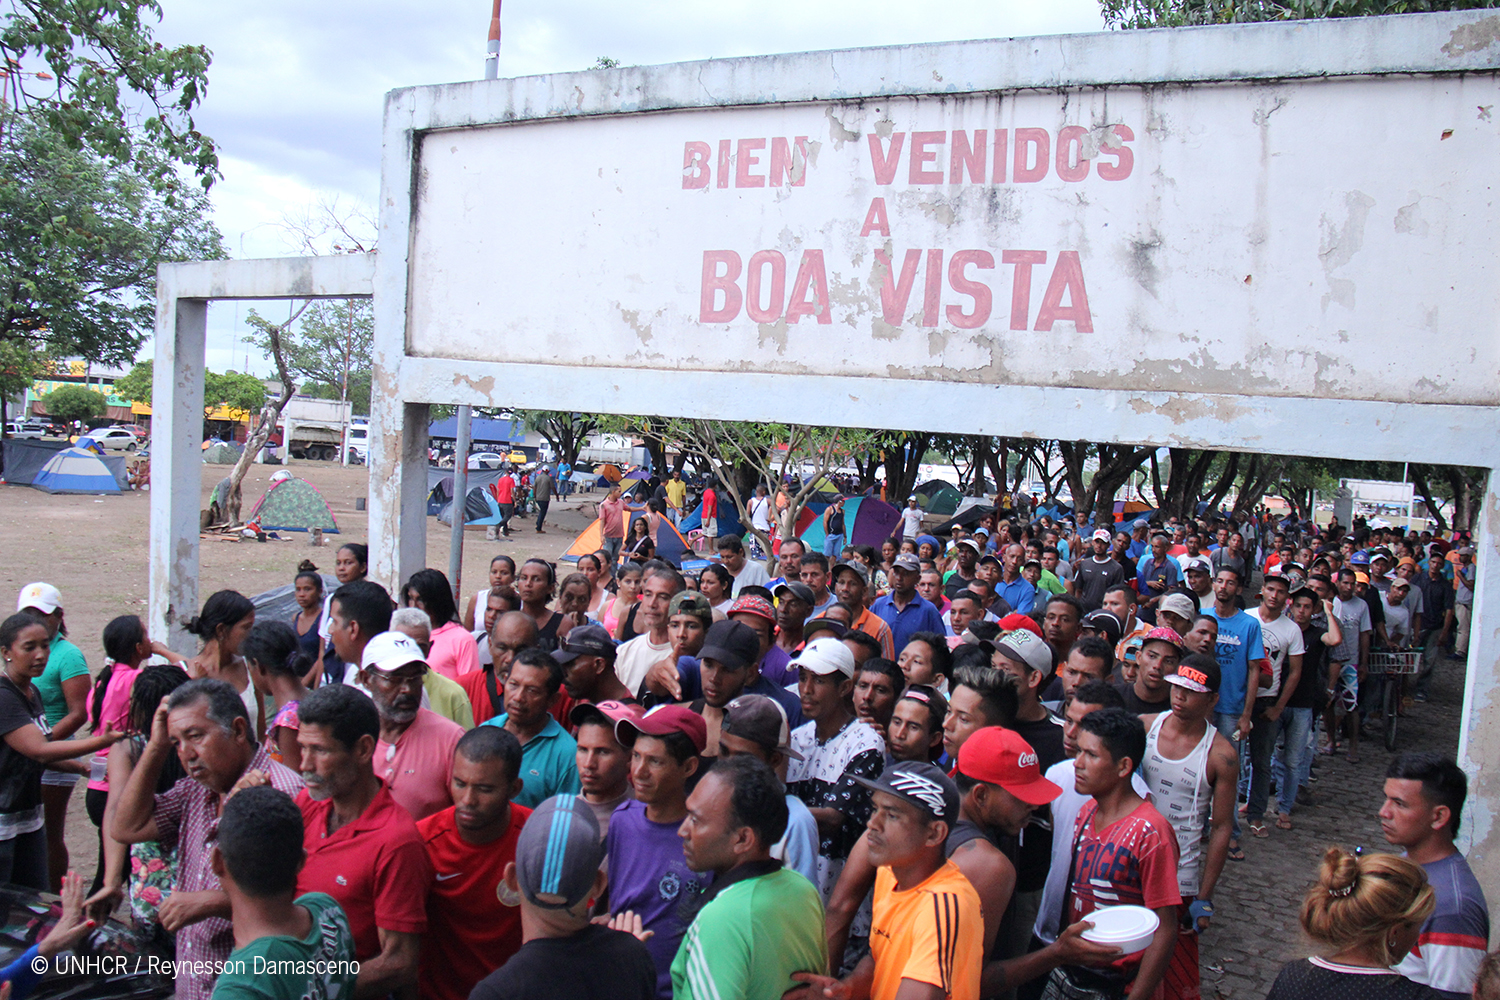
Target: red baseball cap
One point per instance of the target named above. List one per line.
(663, 720)
(611, 711)
(1015, 620)
(1002, 757)
(750, 604)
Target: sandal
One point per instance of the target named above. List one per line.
(1283, 822)
(1236, 853)
(1258, 829)
(1329, 749)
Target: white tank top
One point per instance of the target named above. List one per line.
(1180, 792)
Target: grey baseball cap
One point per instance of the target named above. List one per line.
(558, 853)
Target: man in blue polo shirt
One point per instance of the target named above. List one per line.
(1017, 591)
(903, 609)
(549, 756)
(1240, 653)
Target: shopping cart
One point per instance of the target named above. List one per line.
(1389, 670)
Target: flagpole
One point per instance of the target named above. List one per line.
(492, 51)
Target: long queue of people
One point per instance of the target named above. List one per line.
(913, 773)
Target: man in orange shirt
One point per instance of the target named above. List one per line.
(851, 584)
(927, 932)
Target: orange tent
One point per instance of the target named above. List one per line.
(610, 472)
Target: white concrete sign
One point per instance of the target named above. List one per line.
(1275, 239)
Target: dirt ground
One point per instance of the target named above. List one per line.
(93, 549)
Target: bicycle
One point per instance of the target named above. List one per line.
(1391, 668)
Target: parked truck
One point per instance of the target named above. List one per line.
(313, 428)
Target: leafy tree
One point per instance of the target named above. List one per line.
(19, 368)
(1179, 13)
(236, 390)
(108, 87)
(329, 353)
(73, 402)
(565, 432)
(80, 239)
(135, 385)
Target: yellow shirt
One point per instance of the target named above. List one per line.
(931, 933)
(447, 698)
(676, 493)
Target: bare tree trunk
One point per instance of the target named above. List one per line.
(1422, 482)
(269, 416)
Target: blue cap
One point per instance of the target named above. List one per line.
(559, 852)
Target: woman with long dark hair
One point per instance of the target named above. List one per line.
(307, 589)
(26, 750)
(226, 620)
(278, 662)
(350, 563)
(453, 653)
(126, 647)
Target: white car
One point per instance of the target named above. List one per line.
(18, 430)
(486, 460)
(115, 438)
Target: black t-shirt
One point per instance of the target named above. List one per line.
(20, 776)
(1377, 613)
(956, 583)
(1302, 980)
(1035, 853)
(1094, 578)
(594, 964)
(1136, 705)
(1314, 669)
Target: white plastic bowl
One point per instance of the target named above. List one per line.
(1129, 928)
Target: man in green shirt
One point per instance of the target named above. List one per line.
(760, 922)
(285, 948)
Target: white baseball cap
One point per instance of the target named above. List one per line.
(826, 656)
(42, 596)
(390, 651)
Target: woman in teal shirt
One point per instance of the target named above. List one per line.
(64, 687)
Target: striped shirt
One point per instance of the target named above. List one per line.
(931, 933)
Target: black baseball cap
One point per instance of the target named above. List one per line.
(586, 640)
(734, 644)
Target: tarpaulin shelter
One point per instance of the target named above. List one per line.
(867, 521)
(1132, 510)
(24, 458)
(968, 514)
(671, 545)
(221, 454)
(280, 603)
(440, 485)
(728, 518)
(635, 476)
(293, 505)
(937, 496)
(74, 470)
(480, 507)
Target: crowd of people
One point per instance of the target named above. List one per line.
(920, 773)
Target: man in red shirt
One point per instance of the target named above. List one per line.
(505, 496)
(512, 632)
(710, 517)
(470, 932)
(362, 848)
(1124, 852)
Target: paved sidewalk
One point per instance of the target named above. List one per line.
(1256, 930)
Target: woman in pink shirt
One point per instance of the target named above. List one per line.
(126, 647)
(454, 652)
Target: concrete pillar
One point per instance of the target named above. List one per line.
(176, 465)
(398, 487)
(1479, 739)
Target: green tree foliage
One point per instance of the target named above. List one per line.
(1179, 13)
(333, 343)
(91, 73)
(73, 402)
(565, 432)
(236, 390)
(135, 385)
(80, 239)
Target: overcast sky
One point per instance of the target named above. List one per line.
(295, 89)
